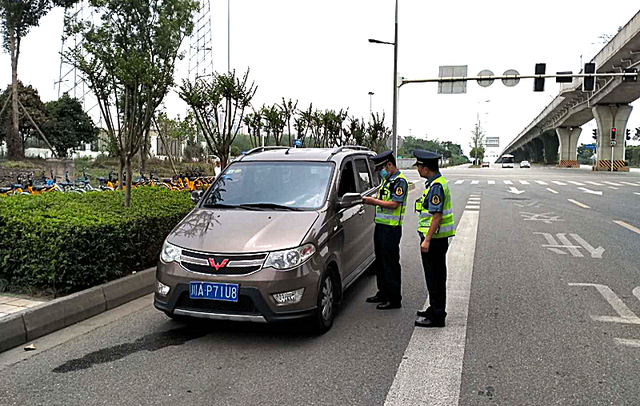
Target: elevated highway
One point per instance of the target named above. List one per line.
(552, 137)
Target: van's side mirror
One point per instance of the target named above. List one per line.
(196, 195)
(349, 200)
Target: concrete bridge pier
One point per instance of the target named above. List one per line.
(568, 138)
(608, 117)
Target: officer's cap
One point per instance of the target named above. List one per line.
(423, 156)
(382, 158)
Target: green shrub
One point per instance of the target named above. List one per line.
(69, 242)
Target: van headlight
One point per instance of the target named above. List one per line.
(170, 253)
(288, 259)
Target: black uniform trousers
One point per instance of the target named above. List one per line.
(434, 263)
(386, 241)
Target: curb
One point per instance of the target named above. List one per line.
(65, 311)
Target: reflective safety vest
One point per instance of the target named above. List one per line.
(447, 225)
(391, 217)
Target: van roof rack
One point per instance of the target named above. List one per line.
(344, 147)
(261, 149)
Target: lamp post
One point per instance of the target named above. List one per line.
(229, 36)
(395, 83)
(478, 128)
(370, 105)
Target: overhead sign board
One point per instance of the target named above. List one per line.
(452, 87)
(492, 142)
(591, 147)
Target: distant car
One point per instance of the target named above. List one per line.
(525, 164)
(485, 164)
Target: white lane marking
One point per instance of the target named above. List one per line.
(552, 191)
(507, 182)
(475, 182)
(458, 182)
(435, 355)
(612, 184)
(540, 182)
(626, 315)
(636, 193)
(475, 198)
(558, 183)
(475, 195)
(575, 183)
(579, 204)
(628, 341)
(629, 183)
(593, 183)
(492, 182)
(593, 192)
(627, 226)
(524, 182)
(472, 207)
(636, 292)
(515, 190)
(611, 187)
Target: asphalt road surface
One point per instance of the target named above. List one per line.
(544, 309)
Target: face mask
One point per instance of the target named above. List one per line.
(384, 173)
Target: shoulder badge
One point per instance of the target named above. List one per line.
(435, 200)
(399, 191)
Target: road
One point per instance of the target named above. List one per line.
(550, 316)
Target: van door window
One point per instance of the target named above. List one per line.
(347, 180)
(364, 177)
(375, 179)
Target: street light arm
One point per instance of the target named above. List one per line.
(375, 41)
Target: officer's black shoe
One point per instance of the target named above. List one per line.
(376, 299)
(423, 313)
(426, 322)
(389, 305)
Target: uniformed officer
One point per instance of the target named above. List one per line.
(435, 226)
(390, 205)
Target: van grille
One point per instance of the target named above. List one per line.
(228, 264)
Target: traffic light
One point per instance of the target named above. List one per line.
(613, 133)
(538, 84)
(588, 83)
(595, 134)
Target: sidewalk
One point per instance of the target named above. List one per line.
(10, 304)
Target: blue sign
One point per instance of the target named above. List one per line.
(297, 143)
(591, 147)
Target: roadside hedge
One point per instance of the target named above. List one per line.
(68, 242)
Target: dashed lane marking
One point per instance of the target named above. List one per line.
(611, 187)
(492, 182)
(524, 182)
(575, 183)
(629, 183)
(558, 183)
(579, 204)
(628, 342)
(593, 183)
(636, 193)
(436, 355)
(552, 191)
(507, 182)
(612, 183)
(458, 182)
(475, 182)
(627, 226)
(470, 207)
(541, 182)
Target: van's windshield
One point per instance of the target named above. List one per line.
(271, 185)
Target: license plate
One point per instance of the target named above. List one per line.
(227, 292)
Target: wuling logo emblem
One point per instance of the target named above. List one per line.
(216, 265)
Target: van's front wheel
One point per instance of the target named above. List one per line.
(323, 319)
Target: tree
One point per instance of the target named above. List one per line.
(288, 110)
(477, 141)
(128, 62)
(225, 93)
(68, 126)
(274, 122)
(378, 133)
(18, 17)
(29, 98)
(254, 124)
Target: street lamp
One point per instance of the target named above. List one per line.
(394, 145)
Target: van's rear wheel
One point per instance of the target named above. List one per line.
(323, 319)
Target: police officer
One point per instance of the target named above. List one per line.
(435, 226)
(390, 205)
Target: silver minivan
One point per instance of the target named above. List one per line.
(279, 236)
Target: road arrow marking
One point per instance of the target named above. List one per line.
(595, 252)
(593, 192)
(515, 190)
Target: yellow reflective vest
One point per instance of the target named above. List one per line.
(391, 217)
(447, 225)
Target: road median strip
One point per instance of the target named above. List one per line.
(57, 314)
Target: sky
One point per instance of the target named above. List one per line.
(318, 52)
